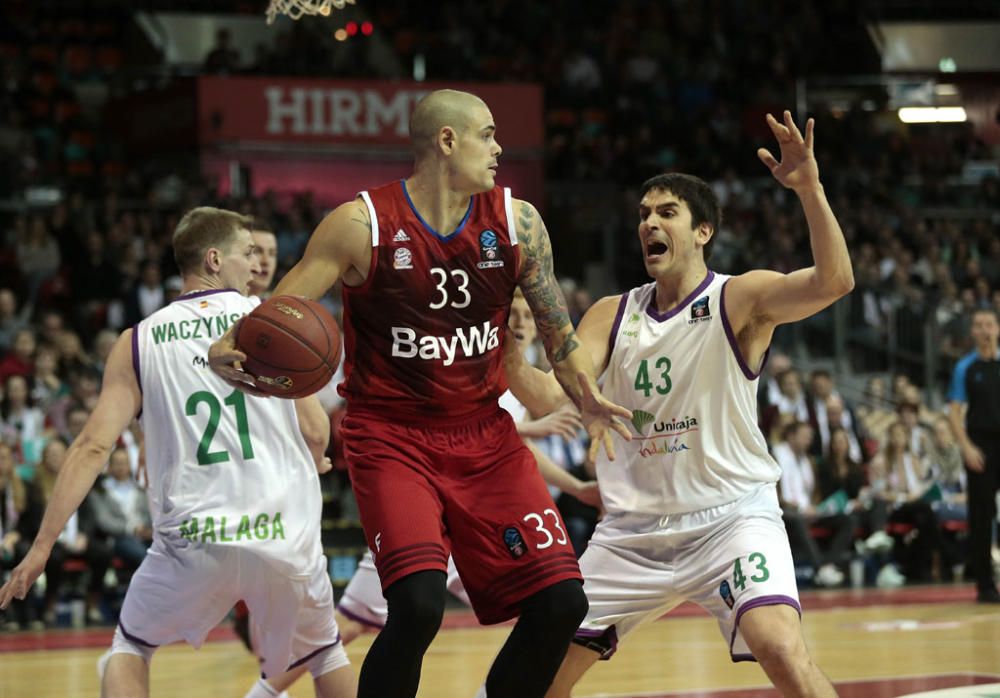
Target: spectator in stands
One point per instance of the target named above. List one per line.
(822, 396)
(20, 360)
(47, 385)
(37, 255)
(13, 502)
(223, 58)
(11, 319)
(789, 407)
(798, 496)
(22, 424)
(77, 540)
(900, 479)
(950, 506)
(120, 511)
(147, 295)
(103, 343)
(918, 433)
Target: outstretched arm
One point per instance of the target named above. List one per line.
(118, 404)
(760, 300)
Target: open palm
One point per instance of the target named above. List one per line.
(797, 169)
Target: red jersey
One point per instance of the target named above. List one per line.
(423, 334)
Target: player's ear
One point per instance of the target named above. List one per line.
(703, 233)
(213, 259)
(447, 138)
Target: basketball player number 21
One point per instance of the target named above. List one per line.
(461, 281)
(540, 527)
(235, 400)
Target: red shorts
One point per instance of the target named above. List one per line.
(473, 490)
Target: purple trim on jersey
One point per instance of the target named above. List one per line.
(612, 633)
(345, 611)
(313, 654)
(750, 375)
(771, 600)
(617, 323)
(426, 225)
(133, 638)
(651, 308)
(199, 294)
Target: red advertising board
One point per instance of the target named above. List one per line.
(348, 113)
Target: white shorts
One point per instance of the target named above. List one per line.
(363, 601)
(182, 596)
(727, 559)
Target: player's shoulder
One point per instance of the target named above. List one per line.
(963, 364)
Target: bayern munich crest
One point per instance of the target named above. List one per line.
(402, 258)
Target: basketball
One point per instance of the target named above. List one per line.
(292, 346)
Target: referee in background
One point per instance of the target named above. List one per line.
(975, 394)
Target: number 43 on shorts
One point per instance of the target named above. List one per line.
(756, 567)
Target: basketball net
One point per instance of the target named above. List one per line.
(298, 8)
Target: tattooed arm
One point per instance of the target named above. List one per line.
(538, 282)
(571, 362)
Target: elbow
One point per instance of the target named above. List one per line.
(846, 283)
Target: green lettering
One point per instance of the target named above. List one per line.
(244, 528)
(159, 333)
(208, 324)
(260, 526)
(184, 332)
(171, 332)
(233, 317)
(220, 324)
(222, 532)
(197, 329)
(277, 528)
(209, 529)
(189, 529)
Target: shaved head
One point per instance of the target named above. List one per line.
(439, 109)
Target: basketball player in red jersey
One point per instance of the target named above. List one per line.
(429, 266)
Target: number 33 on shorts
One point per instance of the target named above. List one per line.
(753, 570)
(545, 523)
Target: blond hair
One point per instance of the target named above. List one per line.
(203, 228)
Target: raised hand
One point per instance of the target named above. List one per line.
(600, 416)
(797, 169)
(222, 359)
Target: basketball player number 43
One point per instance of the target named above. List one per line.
(759, 573)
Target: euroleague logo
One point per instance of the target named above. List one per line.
(489, 250)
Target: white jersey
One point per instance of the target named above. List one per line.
(224, 468)
(696, 443)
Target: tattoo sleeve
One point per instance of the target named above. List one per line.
(541, 289)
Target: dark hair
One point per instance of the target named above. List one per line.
(697, 194)
(201, 229)
(791, 428)
(821, 373)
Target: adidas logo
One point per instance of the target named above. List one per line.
(400, 236)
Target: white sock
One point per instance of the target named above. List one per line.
(262, 689)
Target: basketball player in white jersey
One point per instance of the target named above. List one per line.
(232, 482)
(267, 255)
(692, 508)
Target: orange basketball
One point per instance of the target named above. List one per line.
(292, 346)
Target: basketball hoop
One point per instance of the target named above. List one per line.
(298, 8)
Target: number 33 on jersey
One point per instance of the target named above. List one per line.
(425, 328)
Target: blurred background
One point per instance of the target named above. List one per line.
(116, 117)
